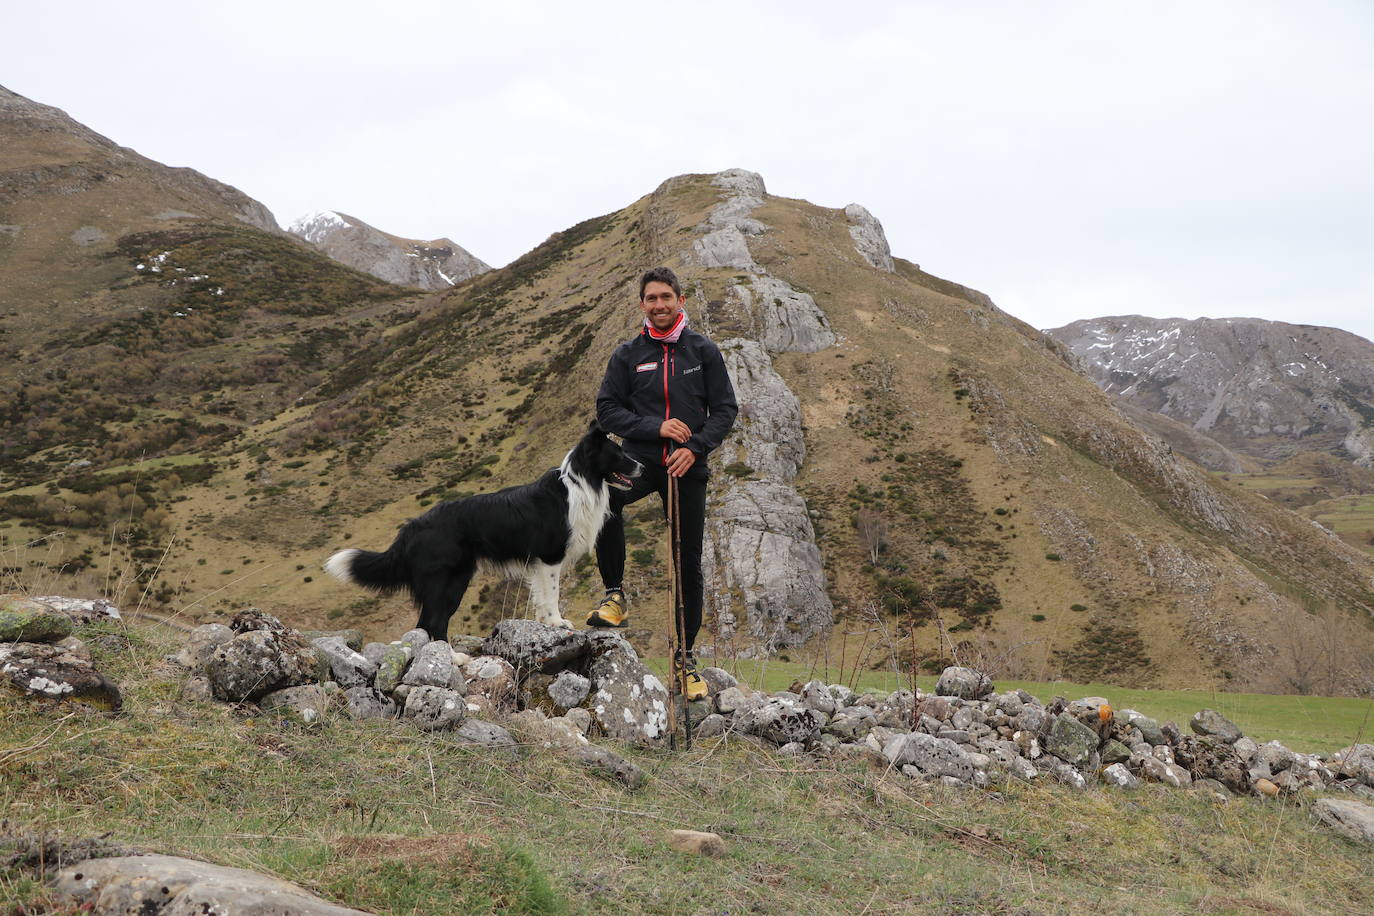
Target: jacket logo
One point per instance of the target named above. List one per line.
(646, 367)
(691, 370)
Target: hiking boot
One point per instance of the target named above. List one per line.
(692, 682)
(611, 612)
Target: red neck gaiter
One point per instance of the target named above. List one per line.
(672, 334)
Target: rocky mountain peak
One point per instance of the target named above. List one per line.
(427, 264)
(1266, 388)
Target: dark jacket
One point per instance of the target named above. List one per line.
(648, 382)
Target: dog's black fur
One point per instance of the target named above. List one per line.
(533, 530)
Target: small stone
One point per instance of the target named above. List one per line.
(363, 702)
(375, 652)
(1274, 756)
(606, 762)
(416, 639)
(731, 700)
(568, 689)
(712, 726)
(717, 679)
(934, 756)
(1246, 749)
(349, 667)
(780, 721)
(964, 683)
(1212, 723)
(483, 734)
(259, 660)
(203, 641)
(435, 708)
(1149, 728)
(433, 666)
(1115, 752)
(493, 678)
(1119, 777)
(696, 842)
(581, 718)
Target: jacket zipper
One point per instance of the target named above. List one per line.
(667, 402)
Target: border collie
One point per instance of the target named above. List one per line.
(532, 531)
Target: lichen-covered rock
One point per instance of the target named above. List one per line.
(1070, 740)
(308, 703)
(351, 637)
(569, 689)
(258, 661)
(52, 672)
(25, 620)
(964, 683)
(349, 667)
(780, 721)
(627, 701)
(391, 667)
(530, 646)
(201, 643)
(493, 678)
(1212, 723)
(81, 610)
(1351, 818)
(1212, 758)
(932, 756)
(364, 702)
(433, 666)
(374, 652)
(1117, 776)
(180, 887)
(435, 708)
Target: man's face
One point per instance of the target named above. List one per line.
(660, 305)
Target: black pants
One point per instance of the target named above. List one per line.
(610, 544)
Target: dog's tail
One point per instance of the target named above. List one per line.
(381, 572)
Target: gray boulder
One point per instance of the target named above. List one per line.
(932, 756)
(1274, 756)
(627, 701)
(964, 683)
(732, 699)
(713, 725)
(351, 637)
(203, 641)
(530, 646)
(1117, 776)
(25, 620)
(1149, 728)
(433, 666)
(1350, 818)
(349, 668)
(363, 702)
(780, 721)
(435, 708)
(53, 672)
(415, 639)
(179, 887)
(717, 679)
(569, 689)
(1212, 758)
(81, 610)
(1070, 740)
(1212, 723)
(375, 652)
(391, 668)
(256, 662)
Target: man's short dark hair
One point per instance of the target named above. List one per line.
(659, 275)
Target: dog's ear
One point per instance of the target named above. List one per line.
(594, 427)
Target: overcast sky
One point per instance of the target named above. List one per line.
(1069, 159)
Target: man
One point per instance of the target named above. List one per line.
(667, 395)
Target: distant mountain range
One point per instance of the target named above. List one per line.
(216, 405)
(1265, 389)
(432, 264)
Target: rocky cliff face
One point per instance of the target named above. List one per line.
(1265, 388)
(433, 264)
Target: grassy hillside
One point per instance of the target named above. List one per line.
(378, 816)
(972, 494)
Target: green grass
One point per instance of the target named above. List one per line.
(380, 817)
(1307, 724)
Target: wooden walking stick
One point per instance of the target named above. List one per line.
(677, 644)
